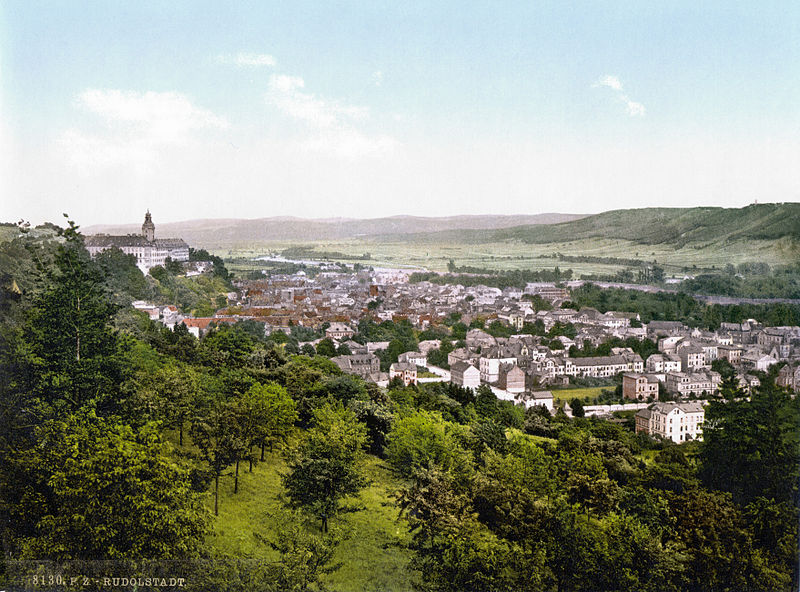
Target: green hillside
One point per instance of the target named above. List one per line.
(650, 226)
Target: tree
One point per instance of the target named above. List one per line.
(325, 467)
(752, 448)
(577, 407)
(99, 489)
(72, 353)
(326, 348)
(422, 439)
(178, 388)
(304, 556)
(277, 414)
(215, 432)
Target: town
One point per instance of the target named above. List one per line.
(502, 340)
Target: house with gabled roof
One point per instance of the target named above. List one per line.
(679, 422)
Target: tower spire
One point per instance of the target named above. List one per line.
(148, 228)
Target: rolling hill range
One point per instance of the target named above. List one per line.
(221, 233)
(676, 227)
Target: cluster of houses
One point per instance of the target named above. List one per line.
(522, 365)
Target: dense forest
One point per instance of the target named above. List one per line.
(115, 434)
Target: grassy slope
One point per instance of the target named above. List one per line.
(676, 238)
(374, 554)
(677, 226)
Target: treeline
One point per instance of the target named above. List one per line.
(596, 259)
(665, 306)
(781, 283)
(306, 252)
(517, 278)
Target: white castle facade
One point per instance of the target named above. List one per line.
(148, 250)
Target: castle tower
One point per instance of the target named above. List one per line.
(148, 228)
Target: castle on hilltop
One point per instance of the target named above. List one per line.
(148, 250)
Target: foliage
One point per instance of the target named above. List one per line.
(751, 448)
(324, 468)
(98, 489)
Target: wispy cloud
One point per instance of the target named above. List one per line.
(134, 126)
(334, 126)
(634, 108)
(247, 60)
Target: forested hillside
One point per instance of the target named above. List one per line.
(238, 464)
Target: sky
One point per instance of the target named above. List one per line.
(367, 109)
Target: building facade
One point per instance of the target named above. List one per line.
(679, 422)
(148, 250)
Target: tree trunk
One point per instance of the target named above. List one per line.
(250, 458)
(262, 451)
(180, 438)
(216, 494)
(236, 478)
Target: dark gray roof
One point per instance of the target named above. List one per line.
(134, 240)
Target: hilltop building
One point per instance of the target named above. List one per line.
(148, 250)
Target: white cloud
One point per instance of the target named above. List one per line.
(334, 126)
(377, 77)
(247, 60)
(134, 127)
(610, 82)
(634, 108)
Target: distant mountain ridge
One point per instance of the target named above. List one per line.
(210, 233)
(674, 226)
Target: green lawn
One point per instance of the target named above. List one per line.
(583, 393)
(374, 553)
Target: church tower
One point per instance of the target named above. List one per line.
(148, 228)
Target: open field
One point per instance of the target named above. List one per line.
(584, 393)
(518, 255)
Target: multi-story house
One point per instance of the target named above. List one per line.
(416, 358)
(692, 383)
(405, 371)
(692, 357)
(789, 378)
(511, 378)
(490, 368)
(662, 363)
(639, 387)
(366, 366)
(603, 366)
(464, 374)
(338, 331)
(757, 360)
(679, 422)
(731, 353)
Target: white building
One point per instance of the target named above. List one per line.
(464, 374)
(148, 250)
(679, 422)
(490, 368)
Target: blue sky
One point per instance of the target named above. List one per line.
(318, 109)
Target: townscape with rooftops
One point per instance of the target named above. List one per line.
(392, 426)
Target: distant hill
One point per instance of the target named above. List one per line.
(224, 232)
(674, 226)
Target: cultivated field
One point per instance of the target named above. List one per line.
(517, 255)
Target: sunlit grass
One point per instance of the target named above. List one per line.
(374, 553)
